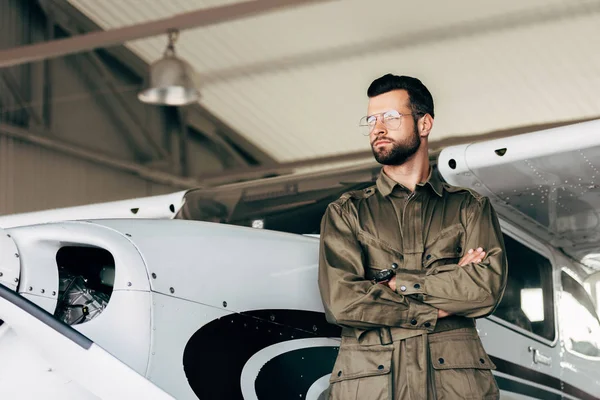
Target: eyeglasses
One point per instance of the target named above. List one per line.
(392, 120)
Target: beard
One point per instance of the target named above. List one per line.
(399, 152)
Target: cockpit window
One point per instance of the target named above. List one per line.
(528, 299)
(580, 327)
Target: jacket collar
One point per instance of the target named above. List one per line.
(386, 185)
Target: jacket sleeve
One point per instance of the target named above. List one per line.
(349, 299)
(473, 290)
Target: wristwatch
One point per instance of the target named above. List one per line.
(384, 275)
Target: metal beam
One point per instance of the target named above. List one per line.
(47, 90)
(52, 14)
(108, 79)
(177, 138)
(115, 114)
(250, 148)
(94, 40)
(68, 17)
(183, 142)
(14, 88)
(226, 147)
(43, 139)
(205, 129)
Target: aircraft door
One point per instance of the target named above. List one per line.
(521, 335)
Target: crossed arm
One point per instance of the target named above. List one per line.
(470, 288)
(472, 256)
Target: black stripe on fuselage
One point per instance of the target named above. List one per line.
(540, 378)
(525, 373)
(290, 375)
(525, 389)
(215, 356)
(576, 392)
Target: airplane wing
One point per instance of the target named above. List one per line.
(547, 182)
(156, 207)
(44, 358)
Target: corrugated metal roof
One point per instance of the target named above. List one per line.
(294, 82)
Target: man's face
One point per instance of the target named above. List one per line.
(393, 146)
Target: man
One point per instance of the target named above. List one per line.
(408, 264)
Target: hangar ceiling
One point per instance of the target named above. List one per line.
(293, 81)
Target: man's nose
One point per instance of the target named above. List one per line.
(379, 128)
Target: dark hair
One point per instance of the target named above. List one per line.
(421, 101)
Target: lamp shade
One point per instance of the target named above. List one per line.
(171, 83)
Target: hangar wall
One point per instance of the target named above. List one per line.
(88, 101)
(34, 178)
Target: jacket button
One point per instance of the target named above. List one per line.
(340, 373)
(380, 367)
(417, 286)
(394, 265)
(403, 288)
(413, 322)
(441, 360)
(427, 324)
(458, 249)
(428, 256)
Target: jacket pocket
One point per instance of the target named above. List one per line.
(447, 246)
(362, 372)
(461, 367)
(379, 254)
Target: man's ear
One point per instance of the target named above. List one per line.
(425, 125)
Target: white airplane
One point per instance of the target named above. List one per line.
(181, 296)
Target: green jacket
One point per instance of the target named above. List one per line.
(421, 235)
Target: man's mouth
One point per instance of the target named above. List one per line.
(380, 142)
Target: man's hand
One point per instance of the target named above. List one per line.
(392, 283)
(472, 256)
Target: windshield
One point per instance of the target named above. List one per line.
(293, 204)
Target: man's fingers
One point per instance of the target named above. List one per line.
(480, 257)
(467, 258)
(473, 255)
